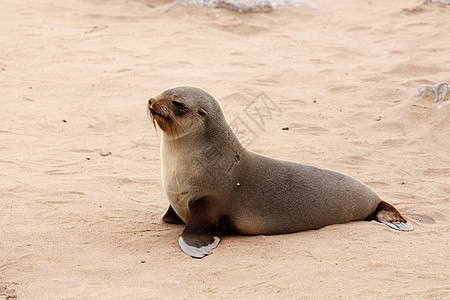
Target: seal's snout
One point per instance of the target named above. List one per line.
(150, 104)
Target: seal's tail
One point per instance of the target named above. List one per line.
(387, 214)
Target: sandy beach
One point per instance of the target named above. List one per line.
(80, 185)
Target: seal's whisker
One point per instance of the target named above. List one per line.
(149, 113)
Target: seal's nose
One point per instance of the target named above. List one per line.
(150, 101)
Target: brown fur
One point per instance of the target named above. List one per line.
(214, 183)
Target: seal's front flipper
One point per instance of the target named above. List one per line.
(196, 251)
(387, 214)
(201, 234)
(172, 217)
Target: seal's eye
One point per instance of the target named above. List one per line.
(178, 105)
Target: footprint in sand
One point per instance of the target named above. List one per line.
(422, 219)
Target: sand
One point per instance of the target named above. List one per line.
(80, 185)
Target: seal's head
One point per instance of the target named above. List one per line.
(181, 110)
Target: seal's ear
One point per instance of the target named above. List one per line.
(202, 112)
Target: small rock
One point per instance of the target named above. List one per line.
(9, 293)
(439, 89)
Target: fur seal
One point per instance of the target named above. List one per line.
(215, 185)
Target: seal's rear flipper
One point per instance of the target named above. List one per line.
(387, 214)
(402, 226)
(201, 234)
